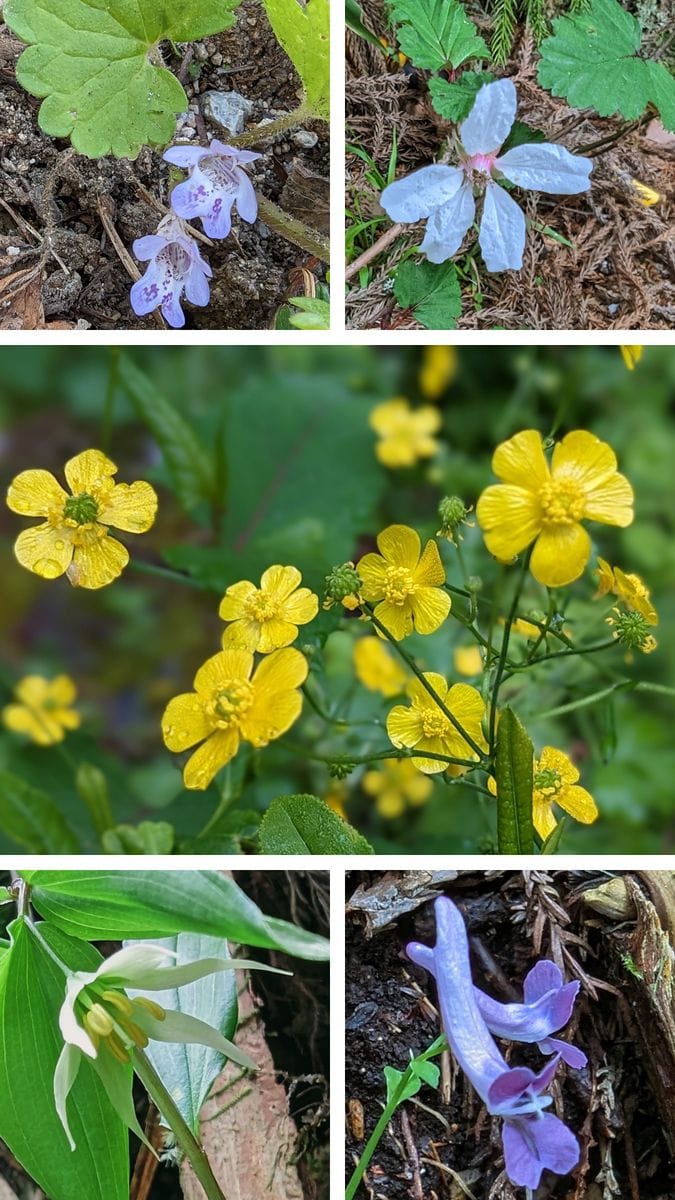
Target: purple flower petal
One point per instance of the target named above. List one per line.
(194, 196)
(534, 1144)
(544, 977)
(148, 247)
(184, 156)
(197, 289)
(217, 222)
(247, 202)
(572, 1055)
(146, 294)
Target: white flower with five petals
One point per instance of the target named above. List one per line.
(446, 195)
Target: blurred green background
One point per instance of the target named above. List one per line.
(282, 468)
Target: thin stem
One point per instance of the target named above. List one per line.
(262, 133)
(330, 719)
(293, 230)
(504, 648)
(146, 568)
(564, 654)
(185, 1139)
(585, 701)
(348, 760)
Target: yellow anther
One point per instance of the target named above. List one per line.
(155, 1010)
(119, 1001)
(398, 584)
(116, 1048)
(98, 1021)
(434, 723)
(562, 502)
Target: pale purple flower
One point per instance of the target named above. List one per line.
(175, 266)
(533, 1139)
(445, 195)
(548, 1004)
(216, 182)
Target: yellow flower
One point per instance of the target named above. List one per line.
(424, 726)
(629, 588)
(439, 367)
(631, 355)
(405, 434)
(396, 784)
(376, 668)
(467, 660)
(554, 782)
(404, 584)
(267, 617)
(545, 504)
(75, 537)
(230, 705)
(645, 195)
(44, 709)
(337, 796)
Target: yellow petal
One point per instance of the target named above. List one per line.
(632, 354)
(98, 563)
(270, 715)
(560, 555)
(430, 608)
(404, 726)
(612, 503)
(419, 694)
(372, 570)
(130, 506)
(439, 366)
(241, 635)
(510, 520)
(466, 704)
(396, 618)
(552, 759)
(375, 667)
(372, 782)
(62, 691)
(35, 494)
(301, 607)
(431, 766)
(280, 672)
(396, 451)
(185, 722)
(44, 550)
(280, 581)
(37, 725)
(542, 816)
(427, 420)
(430, 571)
(390, 804)
(386, 416)
(579, 804)
(467, 660)
(232, 605)
(400, 546)
(521, 460)
(581, 456)
(88, 471)
(274, 634)
(216, 751)
(221, 669)
(605, 577)
(68, 717)
(32, 690)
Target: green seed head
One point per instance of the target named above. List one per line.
(81, 509)
(343, 581)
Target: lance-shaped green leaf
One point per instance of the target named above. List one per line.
(305, 825)
(514, 765)
(30, 817)
(98, 66)
(303, 32)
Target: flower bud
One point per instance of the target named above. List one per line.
(342, 582)
(453, 513)
(340, 770)
(631, 629)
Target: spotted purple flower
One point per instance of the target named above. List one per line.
(175, 266)
(216, 182)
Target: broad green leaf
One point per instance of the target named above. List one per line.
(188, 1071)
(303, 32)
(314, 313)
(187, 459)
(98, 65)
(148, 837)
(354, 21)
(454, 101)
(29, 817)
(513, 773)
(430, 291)
(436, 33)
(305, 825)
(593, 60)
(114, 905)
(32, 990)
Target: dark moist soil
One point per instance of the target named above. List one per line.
(50, 222)
(610, 1104)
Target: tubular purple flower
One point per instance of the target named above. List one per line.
(548, 1004)
(216, 182)
(175, 266)
(533, 1139)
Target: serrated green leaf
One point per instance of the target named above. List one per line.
(303, 32)
(96, 63)
(29, 817)
(431, 291)
(305, 825)
(514, 762)
(592, 61)
(454, 101)
(436, 33)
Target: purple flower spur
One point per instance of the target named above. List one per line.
(216, 182)
(175, 267)
(533, 1139)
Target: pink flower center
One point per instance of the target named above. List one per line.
(482, 164)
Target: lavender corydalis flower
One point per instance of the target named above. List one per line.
(533, 1139)
(175, 267)
(548, 1004)
(216, 182)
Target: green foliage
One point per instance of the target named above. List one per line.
(593, 60)
(504, 30)
(436, 34)
(513, 776)
(305, 825)
(354, 21)
(431, 293)
(29, 817)
(314, 313)
(97, 66)
(148, 837)
(454, 101)
(304, 32)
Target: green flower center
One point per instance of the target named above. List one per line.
(231, 702)
(434, 723)
(82, 509)
(562, 502)
(261, 607)
(548, 782)
(398, 584)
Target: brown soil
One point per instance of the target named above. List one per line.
(59, 267)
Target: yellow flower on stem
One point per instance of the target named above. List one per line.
(230, 705)
(376, 668)
(75, 536)
(467, 660)
(439, 367)
(424, 726)
(396, 784)
(628, 588)
(267, 618)
(406, 434)
(542, 504)
(555, 782)
(631, 355)
(43, 709)
(404, 583)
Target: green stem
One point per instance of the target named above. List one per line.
(585, 701)
(185, 1139)
(136, 564)
(372, 1143)
(262, 133)
(564, 654)
(504, 648)
(293, 230)
(113, 378)
(347, 760)
(330, 719)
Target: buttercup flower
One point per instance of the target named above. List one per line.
(395, 785)
(75, 536)
(631, 355)
(555, 782)
(439, 367)
(215, 183)
(628, 588)
(176, 266)
(424, 726)
(546, 504)
(467, 660)
(230, 705)
(376, 668)
(445, 195)
(43, 709)
(647, 197)
(406, 434)
(267, 617)
(404, 583)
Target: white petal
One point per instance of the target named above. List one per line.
(488, 124)
(133, 964)
(163, 978)
(417, 195)
(118, 1080)
(546, 167)
(73, 1033)
(502, 231)
(65, 1075)
(447, 226)
(179, 1027)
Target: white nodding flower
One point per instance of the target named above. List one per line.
(446, 195)
(100, 1021)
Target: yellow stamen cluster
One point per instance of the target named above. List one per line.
(109, 1018)
(562, 502)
